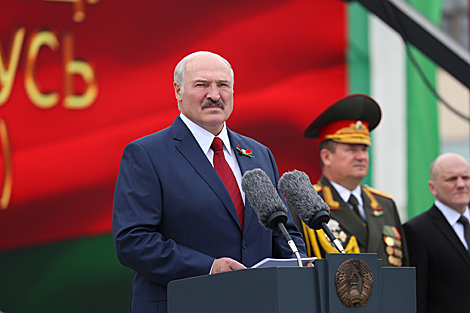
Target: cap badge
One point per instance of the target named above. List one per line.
(359, 126)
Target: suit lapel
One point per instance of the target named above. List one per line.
(246, 163)
(443, 226)
(187, 145)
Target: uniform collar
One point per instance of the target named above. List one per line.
(345, 193)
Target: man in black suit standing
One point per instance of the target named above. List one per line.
(438, 239)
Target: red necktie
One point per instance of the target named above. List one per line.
(226, 175)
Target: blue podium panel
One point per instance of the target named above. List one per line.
(340, 283)
(400, 296)
(263, 290)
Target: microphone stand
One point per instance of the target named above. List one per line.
(318, 221)
(278, 219)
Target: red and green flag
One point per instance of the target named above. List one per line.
(79, 79)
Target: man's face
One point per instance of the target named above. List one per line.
(451, 184)
(348, 165)
(208, 92)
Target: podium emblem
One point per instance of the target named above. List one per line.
(354, 283)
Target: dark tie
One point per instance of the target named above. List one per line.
(226, 175)
(355, 204)
(466, 228)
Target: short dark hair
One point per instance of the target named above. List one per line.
(329, 145)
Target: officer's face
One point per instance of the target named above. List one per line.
(451, 182)
(348, 164)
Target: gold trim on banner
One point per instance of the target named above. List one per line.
(78, 8)
(8, 172)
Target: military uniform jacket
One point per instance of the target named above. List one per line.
(382, 233)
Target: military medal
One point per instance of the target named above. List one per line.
(392, 240)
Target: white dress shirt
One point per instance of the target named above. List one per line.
(452, 216)
(345, 193)
(205, 138)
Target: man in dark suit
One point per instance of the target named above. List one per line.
(173, 216)
(438, 242)
(362, 218)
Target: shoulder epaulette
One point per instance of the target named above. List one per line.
(318, 187)
(376, 192)
(327, 195)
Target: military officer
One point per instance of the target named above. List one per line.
(364, 219)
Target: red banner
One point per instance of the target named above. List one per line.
(79, 79)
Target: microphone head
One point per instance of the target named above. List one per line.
(303, 197)
(263, 197)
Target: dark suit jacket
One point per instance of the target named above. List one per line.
(442, 264)
(173, 216)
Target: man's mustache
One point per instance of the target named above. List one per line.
(211, 102)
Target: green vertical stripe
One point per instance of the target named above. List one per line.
(422, 119)
(357, 53)
(357, 56)
(79, 276)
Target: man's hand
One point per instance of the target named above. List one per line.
(225, 265)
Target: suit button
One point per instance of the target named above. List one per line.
(244, 245)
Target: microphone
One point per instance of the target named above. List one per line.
(271, 211)
(310, 207)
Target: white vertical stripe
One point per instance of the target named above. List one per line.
(453, 130)
(388, 88)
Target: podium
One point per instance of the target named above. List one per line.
(338, 283)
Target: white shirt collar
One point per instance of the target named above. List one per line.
(346, 193)
(204, 137)
(450, 214)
